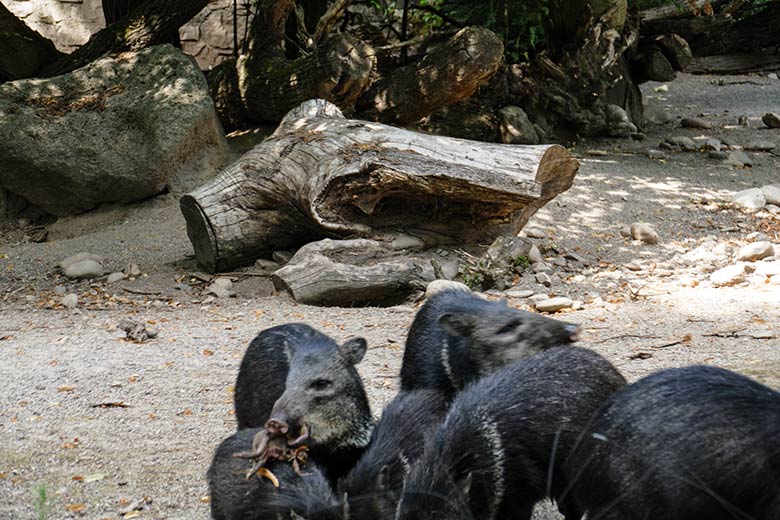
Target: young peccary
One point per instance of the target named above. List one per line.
(502, 445)
(457, 337)
(324, 404)
(235, 497)
(372, 488)
(683, 444)
(263, 371)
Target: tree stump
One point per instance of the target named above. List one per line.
(321, 175)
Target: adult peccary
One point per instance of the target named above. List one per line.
(263, 371)
(457, 337)
(324, 404)
(372, 488)
(502, 445)
(682, 444)
(235, 497)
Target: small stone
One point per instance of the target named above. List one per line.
(535, 233)
(771, 75)
(402, 241)
(282, 257)
(60, 290)
(773, 209)
(686, 143)
(574, 257)
(221, 288)
(712, 145)
(695, 122)
(768, 268)
(625, 231)
(771, 194)
(760, 146)
(23, 222)
(771, 120)
(633, 266)
(84, 269)
(541, 267)
(517, 292)
(755, 251)
(643, 232)
(536, 298)
(757, 236)
(751, 199)
(714, 154)
(70, 301)
(727, 276)
(79, 257)
(132, 270)
(554, 304)
(658, 155)
(722, 249)
(534, 256)
(739, 159)
(543, 279)
(559, 261)
(115, 277)
(597, 153)
(266, 265)
(440, 285)
(225, 283)
(661, 89)
(742, 121)
(667, 146)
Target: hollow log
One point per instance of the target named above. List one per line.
(321, 175)
(652, 65)
(675, 49)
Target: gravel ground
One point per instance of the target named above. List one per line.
(112, 429)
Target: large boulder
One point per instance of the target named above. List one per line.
(116, 130)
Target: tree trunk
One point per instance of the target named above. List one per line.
(321, 175)
(734, 64)
(115, 10)
(150, 23)
(24, 51)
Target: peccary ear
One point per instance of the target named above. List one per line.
(457, 324)
(353, 350)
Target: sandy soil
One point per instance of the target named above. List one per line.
(107, 428)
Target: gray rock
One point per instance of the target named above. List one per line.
(536, 298)
(70, 301)
(718, 155)
(755, 251)
(534, 256)
(638, 136)
(658, 155)
(771, 120)
(771, 194)
(739, 159)
(518, 292)
(403, 241)
(543, 279)
(625, 231)
(559, 261)
(515, 127)
(84, 269)
(554, 304)
(768, 268)
(695, 122)
(115, 277)
(633, 266)
(773, 209)
(78, 257)
(438, 286)
(282, 257)
(221, 288)
(60, 290)
(541, 267)
(618, 122)
(757, 236)
(751, 199)
(760, 146)
(712, 144)
(644, 232)
(132, 270)
(727, 276)
(535, 233)
(722, 249)
(266, 265)
(616, 114)
(225, 283)
(686, 143)
(657, 115)
(117, 130)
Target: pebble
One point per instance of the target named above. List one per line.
(751, 199)
(771, 75)
(535, 233)
(440, 285)
(715, 154)
(658, 155)
(221, 288)
(517, 292)
(757, 236)
(402, 241)
(282, 257)
(60, 290)
(771, 194)
(722, 249)
(771, 120)
(661, 89)
(760, 146)
(536, 298)
(541, 267)
(132, 270)
(685, 142)
(625, 231)
(543, 279)
(115, 277)
(84, 269)
(712, 144)
(574, 257)
(756, 251)
(79, 257)
(266, 265)
(633, 266)
(773, 209)
(730, 275)
(695, 122)
(768, 269)
(534, 255)
(70, 301)
(739, 159)
(559, 261)
(643, 232)
(554, 304)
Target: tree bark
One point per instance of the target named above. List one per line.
(321, 175)
(652, 65)
(25, 51)
(115, 10)
(150, 23)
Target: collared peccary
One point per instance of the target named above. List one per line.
(234, 497)
(372, 488)
(457, 337)
(682, 444)
(324, 402)
(502, 445)
(263, 371)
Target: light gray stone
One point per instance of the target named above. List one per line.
(132, 270)
(712, 144)
(730, 275)
(751, 199)
(221, 288)
(534, 255)
(536, 298)
(60, 290)
(84, 269)
(78, 257)
(686, 143)
(658, 155)
(115, 277)
(554, 304)
(70, 301)
(695, 122)
(771, 194)
(760, 146)
(282, 257)
(739, 159)
(535, 233)
(403, 241)
(768, 268)
(518, 292)
(644, 232)
(755, 251)
(437, 286)
(266, 265)
(515, 127)
(541, 267)
(720, 155)
(543, 279)
(771, 120)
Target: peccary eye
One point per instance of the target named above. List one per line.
(509, 327)
(320, 384)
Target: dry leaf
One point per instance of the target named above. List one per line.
(208, 352)
(116, 404)
(185, 412)
(205, 499)
(76, 508)
(77, 478)
(69, 445)
(132, 514)
(66, 388)
(94, 477)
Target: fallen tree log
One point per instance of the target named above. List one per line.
(740, 63)
(321, 175)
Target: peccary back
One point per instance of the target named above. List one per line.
(502, 445)
(372, 488)
(263, 371)
(324, 397)
(233, 497)
(684, 444)
(457, 337)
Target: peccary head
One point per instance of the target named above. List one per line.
(324, 402)
(498, 334)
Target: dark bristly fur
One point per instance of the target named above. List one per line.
(457, 337)
(682, 444)
(502, 445)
